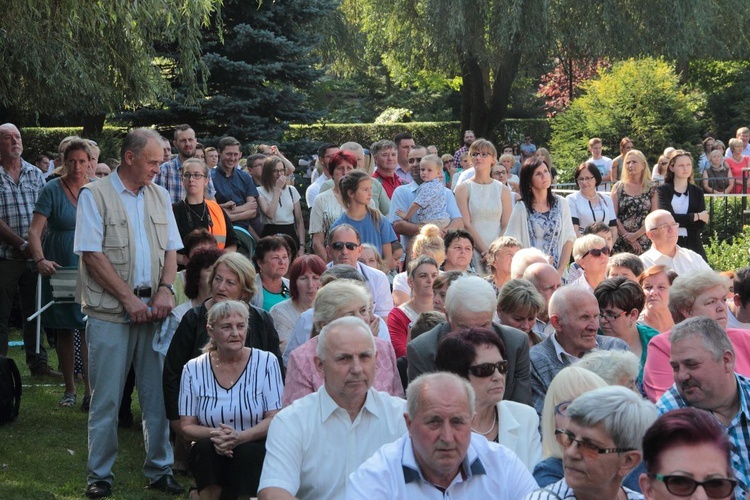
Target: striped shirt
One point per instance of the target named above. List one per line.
(738, 430)
(560, 490)
(17, 203)
(257, 391)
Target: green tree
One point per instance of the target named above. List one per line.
(79, 56)
(638, 98)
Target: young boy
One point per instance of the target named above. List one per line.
(603, 163)
(429, 205)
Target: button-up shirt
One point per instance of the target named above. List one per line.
(685, 261)
(17, 203)
(170, 178)
(389, 183)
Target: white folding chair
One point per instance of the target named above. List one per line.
(63, 286)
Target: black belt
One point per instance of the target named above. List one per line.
(143, 292)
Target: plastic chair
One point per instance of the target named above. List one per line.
(63, 286)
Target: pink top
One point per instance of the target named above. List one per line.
(658, 376)
(736, 168)
(303, 378)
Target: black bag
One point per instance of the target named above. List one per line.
(10, 390)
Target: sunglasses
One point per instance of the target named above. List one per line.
(339, 245)
(587, 449)
(683, 486)
(597, 252)
(487, 369)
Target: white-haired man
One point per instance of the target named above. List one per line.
(661, 229)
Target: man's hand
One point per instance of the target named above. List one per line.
(137, 310)
(161, 304)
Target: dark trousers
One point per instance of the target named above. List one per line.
(21, 276)
(239, 474)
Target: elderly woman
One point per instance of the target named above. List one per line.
(231, 278)
(518, 305)
(620, 304)
(614, 367)
(272, 255)
(478, 355)
(196, 212)
(736, 162)
(501, 173)
(634, 197)
(485, 204)
(591, 254)
(542, 219)
(422, 274)
(701, 293)
(51, 235)
(568, 384)
(587, 205)
(304, 282)
(336, 300)
(229, 428)
(499, 257)
(670, 448)
(440, 288)
(602, 444)
(660, 169)
(459, 250)
(655, 282)
(429, 243)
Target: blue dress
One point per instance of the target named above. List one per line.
(57, 246)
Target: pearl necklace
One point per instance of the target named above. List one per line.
(494, 421)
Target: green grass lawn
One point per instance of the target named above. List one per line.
(43, 453)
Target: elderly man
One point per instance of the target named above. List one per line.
(385, 154)
(546, 280)
(661, 229)
(574, 313)
(404, 196)
(127, 238)
(170, 172)
(314, 444)
(702, 358)
(471, 302)
(20, 185)
(743, 134)
(440, 457)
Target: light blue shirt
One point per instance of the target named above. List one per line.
(90, 227)
(404, 196)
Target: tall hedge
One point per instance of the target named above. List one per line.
(38, 140)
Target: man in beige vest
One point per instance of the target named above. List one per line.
(127, 238)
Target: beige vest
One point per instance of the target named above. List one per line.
(118, 246)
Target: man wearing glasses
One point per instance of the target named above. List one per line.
(574, 314)
(170, 172)
(661, 229)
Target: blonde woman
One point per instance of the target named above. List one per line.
(634, 197)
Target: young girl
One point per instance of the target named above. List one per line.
(429, 205)
(717, 178)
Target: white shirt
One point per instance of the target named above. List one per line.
(464, 176)
(561, 491)
(733, 322)
(562, 354)
(684, 260)
(680, 206)
(285, 211)
(313, 445)
(89, 236)
(604, 164)
(491, 471)
(313, 189)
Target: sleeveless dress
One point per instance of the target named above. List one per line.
(58, 246)
(632, 212)
(486, 209)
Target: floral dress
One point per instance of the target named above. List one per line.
(545, 229)
(632, 213)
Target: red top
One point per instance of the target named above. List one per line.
(398, 328)
(389, 183)
(736, 168)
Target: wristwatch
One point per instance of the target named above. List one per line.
(23, 246)
(168, 286)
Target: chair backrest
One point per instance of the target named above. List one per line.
(63, 284)
(247, 243)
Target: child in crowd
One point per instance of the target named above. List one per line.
(603, 163)
(717, 178)
(429, 205)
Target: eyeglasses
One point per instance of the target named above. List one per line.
(499, 173)
(339, 245)
(683, 486)
(483, 154)
(487, 369)
(612, 317)
(597, 252)
(193, 176)
(587, 449)
(415, 160)
(586, 179)
(446, 162)
(672, 225)
(562, 408)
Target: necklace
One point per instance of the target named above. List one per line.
(69, 190)
(494, 421)
(201, 217)
(590, 198)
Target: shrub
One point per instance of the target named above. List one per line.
(729, 254)
(641, 99)
(38, 140)
(394, 115)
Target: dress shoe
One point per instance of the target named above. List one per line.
(99, 489)
(167, 484)
(45, 371)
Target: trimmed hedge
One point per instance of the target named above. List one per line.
(38, 140)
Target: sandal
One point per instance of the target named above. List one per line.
(68, 400)
(86, 403)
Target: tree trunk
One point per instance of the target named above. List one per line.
(505, 75)
(93, 124)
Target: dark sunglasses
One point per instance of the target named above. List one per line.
(683, 486)
(596, 252)
(339, 245)
(487, 369)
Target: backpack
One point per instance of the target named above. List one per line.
(10, 390)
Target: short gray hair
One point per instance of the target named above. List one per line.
(349, 323)
(341, 272)
(416, 387)
(331, 298)
(628, 260)
(137, 139)
(524, 258)
(649, 223)
(714, 337)
(611, 365)
(586, 243)
(560, 303)
(382, 145)
(624, 415)
(686, 288)
(221, 310)
(470, 294)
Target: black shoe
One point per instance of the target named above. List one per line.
(45, 371)
(125, 420)
(167, 484)
(99, 489)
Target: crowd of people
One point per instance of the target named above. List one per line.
(442, 327)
